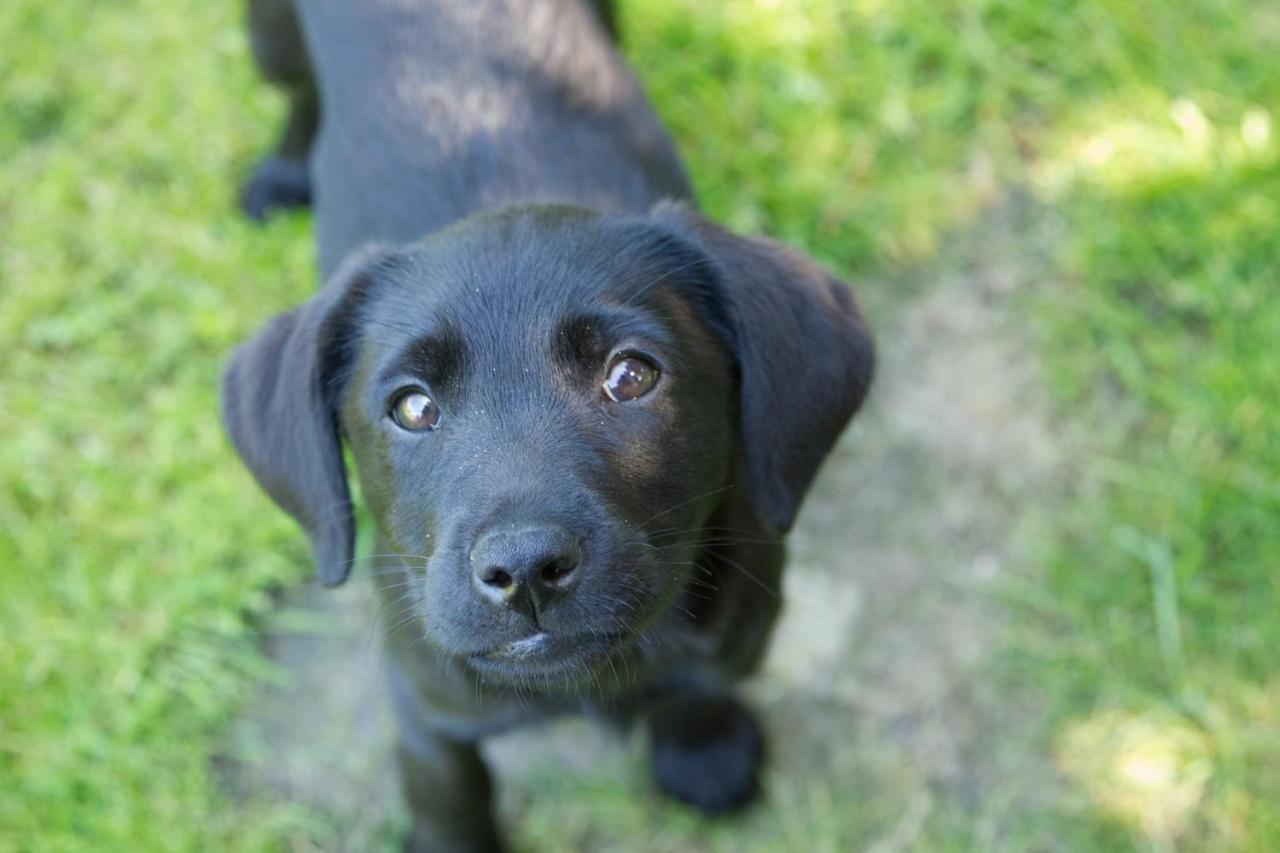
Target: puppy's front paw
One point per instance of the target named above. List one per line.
(276, 183)
(707, 752)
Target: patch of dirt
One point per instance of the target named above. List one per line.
(888, 615)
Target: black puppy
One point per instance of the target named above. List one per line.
(582, 415)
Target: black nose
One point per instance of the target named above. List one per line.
(525, 567)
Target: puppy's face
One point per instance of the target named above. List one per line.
(545, 405)
(542, 416)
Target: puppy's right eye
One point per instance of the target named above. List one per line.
(414, 411)
(629, 377)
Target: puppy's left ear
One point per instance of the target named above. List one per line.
(804, 356)
(277, 408)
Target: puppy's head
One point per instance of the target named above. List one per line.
(544, 406)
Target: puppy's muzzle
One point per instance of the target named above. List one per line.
(526, 568)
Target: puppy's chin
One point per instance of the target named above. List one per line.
(549, 658)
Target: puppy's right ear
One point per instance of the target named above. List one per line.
(278, 412)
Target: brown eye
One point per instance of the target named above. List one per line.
(629, 377)
(414, 411)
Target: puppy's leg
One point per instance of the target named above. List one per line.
(707, 750)
(281, 180)
(450, 797)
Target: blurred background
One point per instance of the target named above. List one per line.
(1035, 597)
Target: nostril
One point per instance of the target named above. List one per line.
(556, 571)
(497, 577)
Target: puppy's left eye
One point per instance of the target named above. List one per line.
(414, 411)
(629, 377)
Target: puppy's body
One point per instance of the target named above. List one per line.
(435, 110)
(513, 135)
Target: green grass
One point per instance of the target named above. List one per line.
(1163, 571)
(135, 554)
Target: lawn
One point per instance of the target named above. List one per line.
(1136, 145)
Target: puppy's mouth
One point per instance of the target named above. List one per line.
(547, 655)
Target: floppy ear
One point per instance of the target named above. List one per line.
(804, 355)
(278, 411)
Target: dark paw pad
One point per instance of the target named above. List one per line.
(277, 183)
(707, 752)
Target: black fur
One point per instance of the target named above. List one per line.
(510, 217)
(707, 751)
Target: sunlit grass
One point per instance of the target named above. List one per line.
(1151, 772)
(1128, 144)
(134, 555)
(1164, 568)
